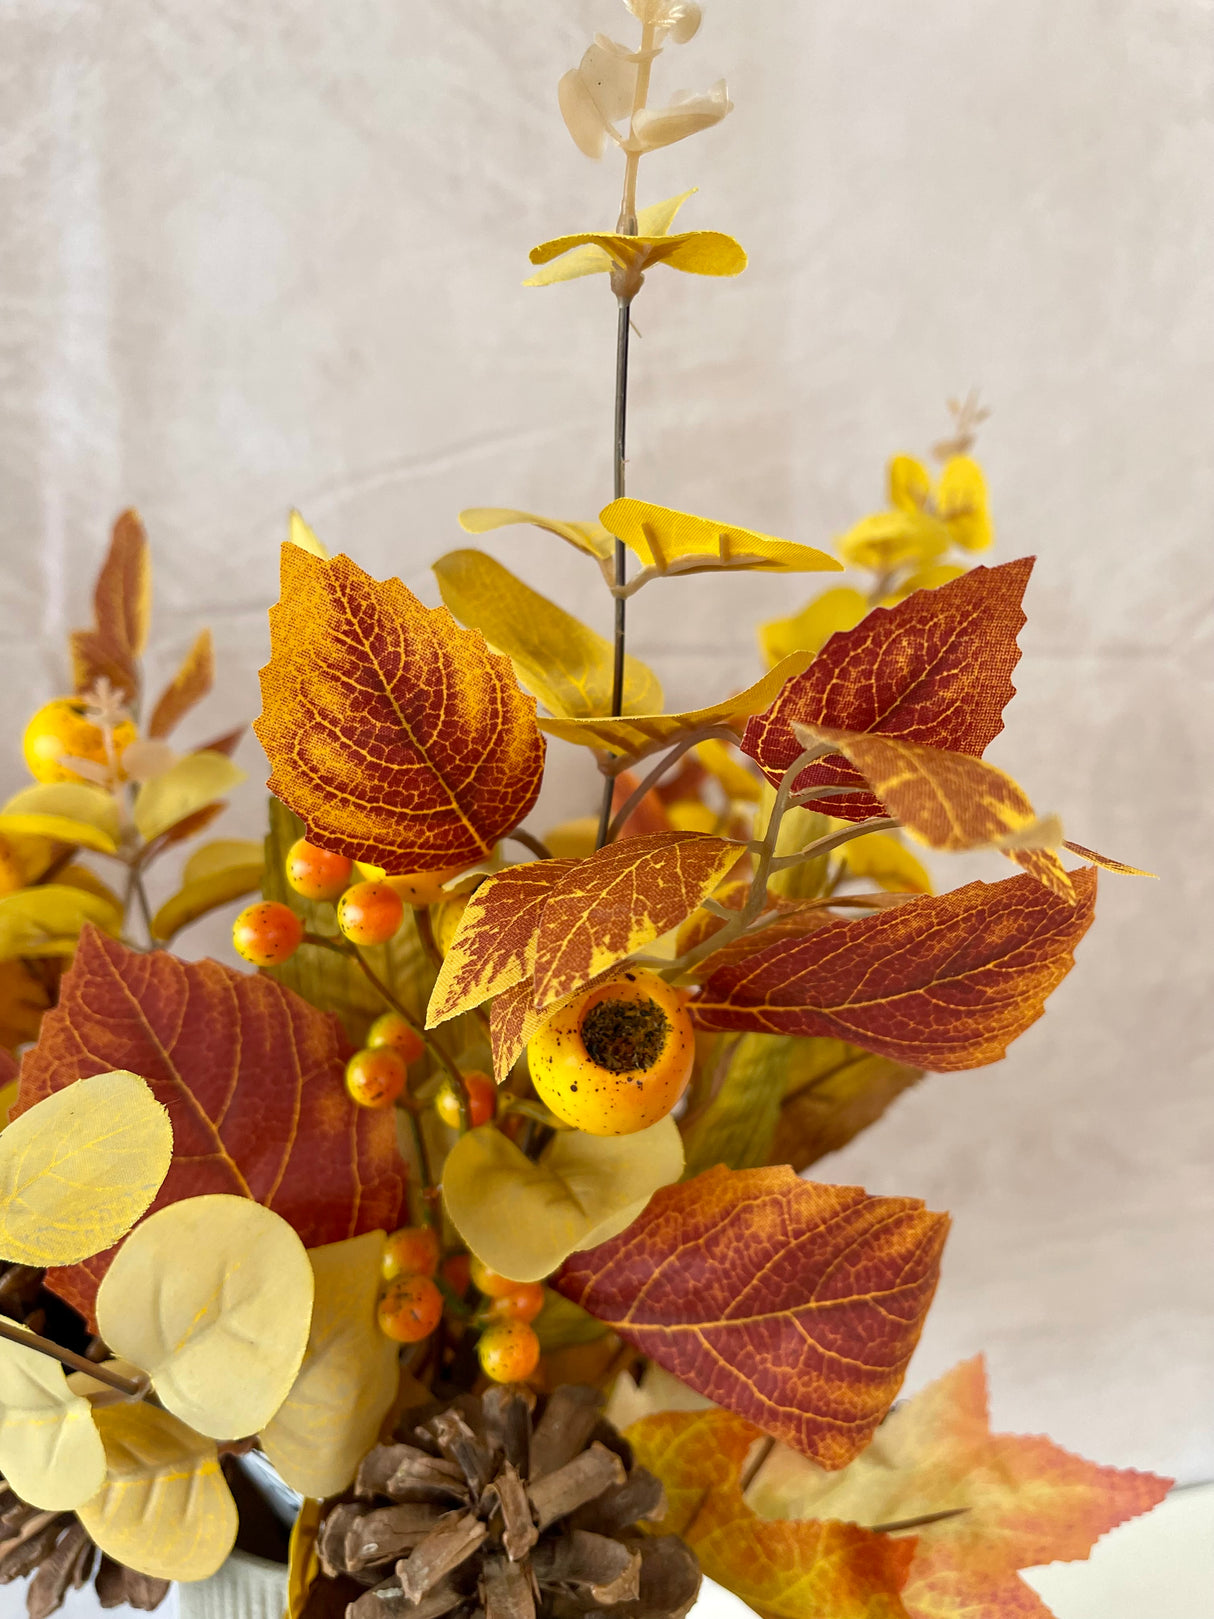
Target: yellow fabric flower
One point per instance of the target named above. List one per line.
(924, 518)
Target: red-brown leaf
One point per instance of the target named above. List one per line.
(396, 736)
(122, 604)
(188, 686)
(251, 1076)
(619, 900)
(941, 982)
(795, 1305)
(935, 669)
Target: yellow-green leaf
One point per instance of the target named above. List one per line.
(348, 1378)
(79, 1168)
(670, 542)
(70, 812)
(738, 1123)
(556, 657)
(697, 252)
(833, 1091)
(561, 1324)
(50, 1450)
(590, 538)
(637, 734)
(184, 788)
(813, 626)
(522, 1218)
(300, 534)
(655, 220)
(164, 1509)
(882, 858)
(212, 1296)
(47, 920)
(214, 875)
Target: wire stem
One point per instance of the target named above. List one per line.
(538, 848)
(134, 1389)
(688, 740)
(621, 554)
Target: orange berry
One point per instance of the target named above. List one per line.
(390, 1029)
(410, 1309)
(375, 1078)
(317, 873)
(508, 1351)
(424, 887)
(413, 1250)
(491, 1282)
(523, 1303)
(616, 1059)
(267, 933)
(370, 913)
(456, 1272)
(482, 1100)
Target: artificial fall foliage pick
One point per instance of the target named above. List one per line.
(509, 1115)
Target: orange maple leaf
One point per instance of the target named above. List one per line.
(785, 1570)
(935, 669)
(795, 1305)
(396, 736)
(252, 1077)
(1018, 1500)
(941, 982)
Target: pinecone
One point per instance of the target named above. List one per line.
(483, 1513)
(55, 1546)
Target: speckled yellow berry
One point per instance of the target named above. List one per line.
(616, 1059)
(59, 727)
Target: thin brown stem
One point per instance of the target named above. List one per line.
(833, 840)
(538, 848)
(689, 739)
(621, 554)
(917, 1523)
(133, 1388)
(423, 1166)
(432, 1045)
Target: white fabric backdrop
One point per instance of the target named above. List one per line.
(255, 256)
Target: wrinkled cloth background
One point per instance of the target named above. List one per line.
(256, 256)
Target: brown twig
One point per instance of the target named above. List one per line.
(133, 1388)
(538, 848)
(689, 739)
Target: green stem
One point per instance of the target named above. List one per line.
(832, 840)
(689, 739)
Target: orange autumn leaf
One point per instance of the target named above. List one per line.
(396, 736)
(620, 899)
(122, 606)
(935, 669)
(1102, 860)
(783, 1569)
(1020, 1500)
(795, 1305)
(251, 1076)
(188, 686)
(951, 801)
(494, 946)
(940, 982)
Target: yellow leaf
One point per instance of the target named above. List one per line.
(522, 1218)
(348, 1379)
(811, 628)
(910, 484)
(164, 1509)
(962, 504)
(590, 538)
(50, 1450)
(952, 801)
(655, 220)
(572, 840)
(24, 997)
(8, 1095)
(79, 1168)
(697, 252)
(556, 657)
(670, 542)
(893, 539)
(47, 920)
(879, 857)
(214, 875)
(738, 782)
(299, 533)
(88, 882)
(637, 734)
(212, 1297)
(70, 812)
(23, 859)
(184, 788)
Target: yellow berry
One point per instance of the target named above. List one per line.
(421, 888)
(616, 1059)
(60, 727)
(508, 1351)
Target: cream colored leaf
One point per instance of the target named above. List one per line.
(212, 1296)
(591, 538)
(348, 1379)
(71, 812)
(300, 534)
(47, 920)
(147, 758)
(50, 1450)
(79, 1168)
(556, 657)
(522, 1218)
(189, 785)
(686, 113)
(164, 1509)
